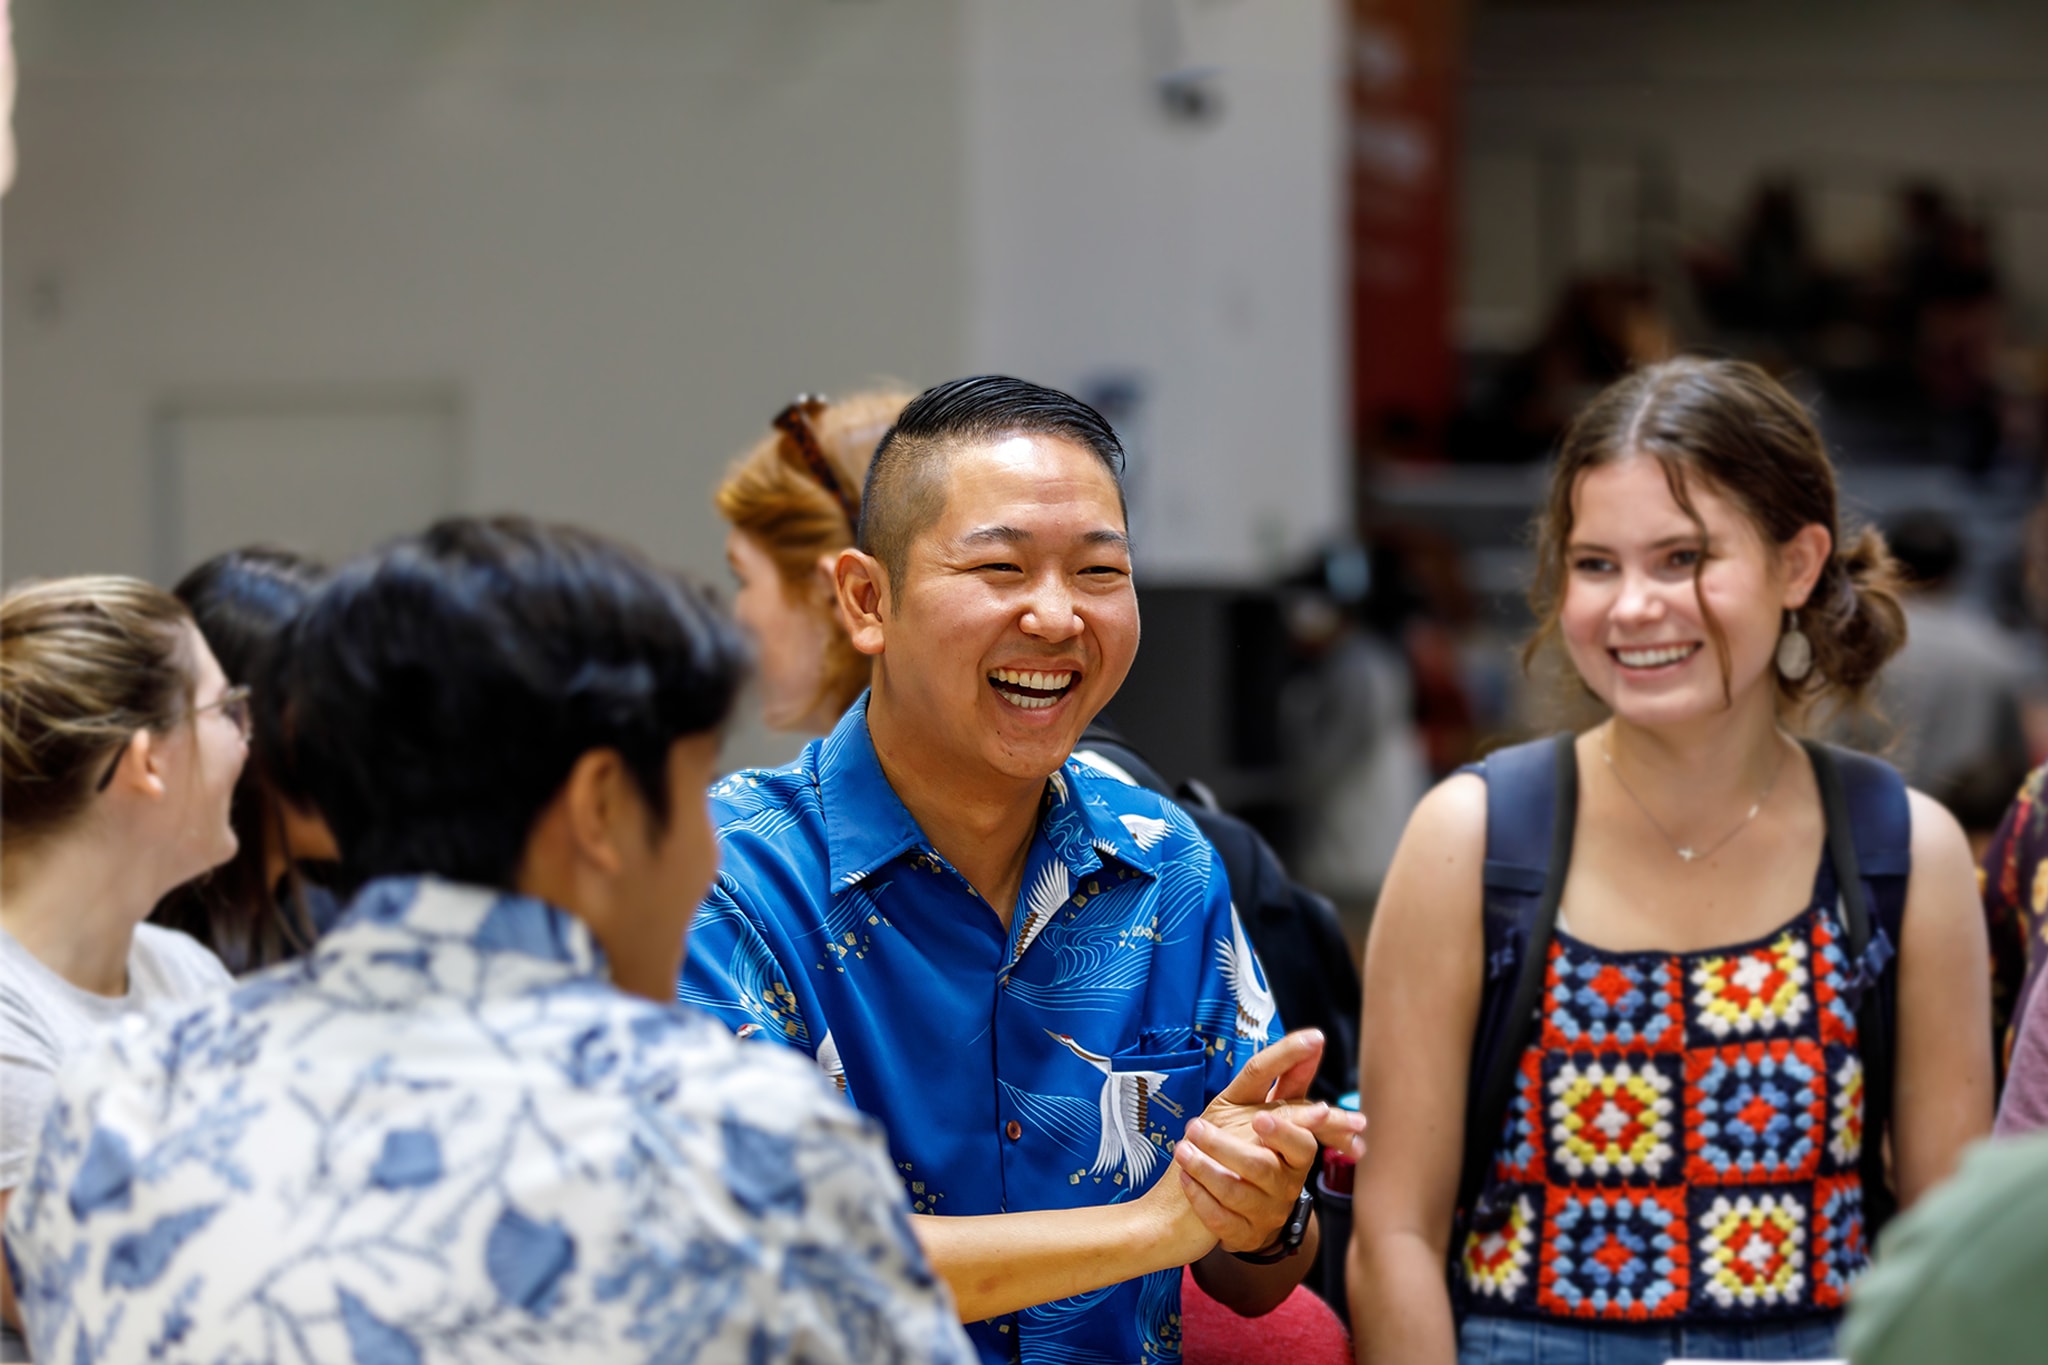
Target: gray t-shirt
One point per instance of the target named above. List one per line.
(44, 1020)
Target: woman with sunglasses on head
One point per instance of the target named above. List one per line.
(258, 908)
(793, 502)
(120, 743)
(1625, 1046)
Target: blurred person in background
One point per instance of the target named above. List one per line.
(122, 743)
(472, 1122)
(1601, 326)
(1953, 695)
(1960, 1279)
(793, 502)
(1950, 310)
(1356, 761)
(1680, 1166)
(258, 908)
(2014, 874)
(1779, 287)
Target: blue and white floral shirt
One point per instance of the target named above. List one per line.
(1051, 1064)
(446, 1137)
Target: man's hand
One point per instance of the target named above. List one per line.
(1243, 1162)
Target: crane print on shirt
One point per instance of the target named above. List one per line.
(1255, 1005)
(1046, 895)
(1127, 1101)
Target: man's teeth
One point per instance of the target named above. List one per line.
(1054, 685)
(1653, 658)
(1037, 682)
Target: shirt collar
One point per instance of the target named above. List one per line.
(1084, 824)
(442, 935)
(867, 826)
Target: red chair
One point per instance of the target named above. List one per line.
(1301, 1331)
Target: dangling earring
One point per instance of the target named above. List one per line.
(1795, 651)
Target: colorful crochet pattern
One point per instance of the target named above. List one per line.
(1684, 1141)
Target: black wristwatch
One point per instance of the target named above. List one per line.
(1290, 1235)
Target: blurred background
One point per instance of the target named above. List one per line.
(316, 272)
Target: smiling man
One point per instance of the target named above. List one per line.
(1029, 972)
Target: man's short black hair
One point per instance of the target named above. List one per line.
(432, 697)
(905, 491)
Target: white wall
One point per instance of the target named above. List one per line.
(1860, 93)
(622, 234)
(618, 235)
(1201, 259)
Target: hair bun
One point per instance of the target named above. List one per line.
(1861, 623)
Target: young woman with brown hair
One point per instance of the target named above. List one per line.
(793, 502)
(1679, 1171)
(120, 743)
(256, 909)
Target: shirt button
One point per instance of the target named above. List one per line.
(1015, 1130)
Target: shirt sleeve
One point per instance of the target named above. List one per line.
(854, 1285)
(2004, 916)
(1959, 1277)
(192, 969)
(25, 1093)
(2024, 1108)
(732, 973)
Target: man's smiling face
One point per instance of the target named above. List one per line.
(1016, 621)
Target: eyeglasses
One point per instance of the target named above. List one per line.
(233, 703)
(236, 706)
(794, 422)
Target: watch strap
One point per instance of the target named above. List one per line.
(1291, 1234)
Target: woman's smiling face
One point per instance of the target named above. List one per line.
(1641, 583)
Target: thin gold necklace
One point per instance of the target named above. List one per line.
(1684, 851)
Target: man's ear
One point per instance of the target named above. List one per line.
(1802, 558)
(598, 810)
(862, 587)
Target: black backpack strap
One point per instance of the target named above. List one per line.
(1870, 843)
(1532, 802)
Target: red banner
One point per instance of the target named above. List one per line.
(1405, 62)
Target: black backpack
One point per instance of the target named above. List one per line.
(1531, 805)
(1308, 964)
(1294, 930)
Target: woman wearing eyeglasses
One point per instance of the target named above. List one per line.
(120, 743)
(793, 502)
(257, 909)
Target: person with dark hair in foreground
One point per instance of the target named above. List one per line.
(1028, 970)
(471, 1124)
(257, 909)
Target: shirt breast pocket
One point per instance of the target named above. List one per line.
(1155, 1094)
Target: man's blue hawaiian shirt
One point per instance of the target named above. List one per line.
(446, 1137)
(1050, 1065)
